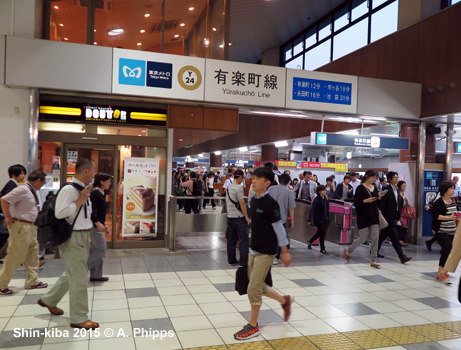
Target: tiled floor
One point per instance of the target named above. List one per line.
(339, 305)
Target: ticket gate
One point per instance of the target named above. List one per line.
(341, 225)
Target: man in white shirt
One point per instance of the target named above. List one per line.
(71, 203)
(455, 182)
(237, 221)
(20, 207)
(355, 182)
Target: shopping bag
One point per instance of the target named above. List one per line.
(241, 280)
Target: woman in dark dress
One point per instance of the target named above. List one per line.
(102, 183)
(365, 201)
(319, 214)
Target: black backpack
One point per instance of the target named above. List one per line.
(197, 188)
(52, 232)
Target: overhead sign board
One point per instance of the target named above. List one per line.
(318, 91)
(158, 75)
(371, 142)
(101, 114)
(245, 84)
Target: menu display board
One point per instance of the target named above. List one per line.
(140, 197)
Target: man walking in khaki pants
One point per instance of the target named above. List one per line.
(21, 207)
(74, 252)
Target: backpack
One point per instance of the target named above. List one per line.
(51, 231)
(197, 188)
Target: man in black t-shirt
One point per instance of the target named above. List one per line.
(267, 232)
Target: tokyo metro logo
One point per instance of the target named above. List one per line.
(132, 72)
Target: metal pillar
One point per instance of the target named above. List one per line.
(419, 202)
(449, 158)
(169, 184)
(34, 105)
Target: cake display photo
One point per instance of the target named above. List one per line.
(132, 227)
(148, 227)
(140, 197)
(143, 198)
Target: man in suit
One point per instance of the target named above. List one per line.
(17, 173)
(307, 187)
(391, 206)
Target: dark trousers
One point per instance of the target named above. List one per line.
(320, 234)
(391, 232)
(191, 205)
(209, 193)
(445, 241)
(237, 231)
(287, 224)
(402, 233)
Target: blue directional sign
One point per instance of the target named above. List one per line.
(361, 141)
(324, 91)
(459, 147)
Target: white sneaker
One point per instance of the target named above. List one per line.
(276, 261)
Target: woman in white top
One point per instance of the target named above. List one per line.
(402, 230)
(209, 192)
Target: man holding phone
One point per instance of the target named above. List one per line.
(391, 206)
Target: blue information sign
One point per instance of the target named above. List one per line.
(432, 180)
(322, 91)
(459, 147)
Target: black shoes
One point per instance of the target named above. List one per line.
(100, 279)
(405, 259)
(324, 252)
(429, 246)
(309, 246)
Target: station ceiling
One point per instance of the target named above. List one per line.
(258, 25)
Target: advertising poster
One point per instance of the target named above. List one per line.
(140, 197)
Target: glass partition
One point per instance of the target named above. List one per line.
(68, 21)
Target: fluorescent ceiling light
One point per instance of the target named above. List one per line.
(386, 135)
(281, 144)
(116, 31)
(349, 132)
(218, 153)
(243, 149)
(200, 155)
(254, 151)
(280, 114)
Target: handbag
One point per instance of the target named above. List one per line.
(409, 213)
(242, 281)
(382, 221)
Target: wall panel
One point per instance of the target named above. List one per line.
(433, 58)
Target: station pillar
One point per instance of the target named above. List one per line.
(410, 131)
(215, 160)
(269, 152)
